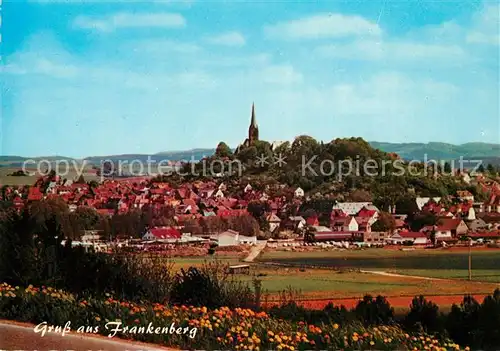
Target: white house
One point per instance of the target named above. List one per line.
(227, 238)
(51, 188)
(450, 228)
(321, 229)
(352, 208)
(421, 201)
(95, 246)
(164, 234)
(417, 238)
(345, 224)
(299, 192)
(251, 240)
(465, 195)
(299, 222)
(471, 214)
(493, 204)
(90, 236)
(466, 178)
(274, 222)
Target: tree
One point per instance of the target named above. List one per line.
(49, 220)
(212, 224)
(192, 226)
(433, 235)
(80, 180)
(490, 320)
(423, 314)
(18, 264)
(423, 219)
(257, 208)
(490, 168)
(385, 223)
(447, 168)
(374, 311)
(309, 234)
(360, 195)
(282, 149)
(248, 155)
(128, 224)
(463, 322)
(87, 218)
(223, 150)
(246, 225)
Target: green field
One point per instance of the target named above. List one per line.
(426, 263)
(70, 174)
(327, 283)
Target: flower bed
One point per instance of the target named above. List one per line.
(220, 329)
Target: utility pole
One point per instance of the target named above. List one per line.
(470, 259)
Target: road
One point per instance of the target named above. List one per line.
(256, 250)
(22, 337)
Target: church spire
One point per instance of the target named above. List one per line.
(253, 130)
(253, 121)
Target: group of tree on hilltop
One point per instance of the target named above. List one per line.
(398, 181)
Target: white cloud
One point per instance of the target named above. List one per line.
(166, 2)
(280, 74)
(33, 64)
(323, 26)
(445, 32)
(130, 20)
(257, 60)
(382, 106)
(13, 68)
(50, 68)
(162, 46)
(486, 26)
(385, 95)
(227, 39)
(482, 38)
(400, 51)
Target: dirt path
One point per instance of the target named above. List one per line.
(387, 274)
(255, 251)
(21, 336)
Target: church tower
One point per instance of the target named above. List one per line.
(253, 130)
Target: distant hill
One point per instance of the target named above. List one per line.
(18, 161)
(488, 153)
(440, 151)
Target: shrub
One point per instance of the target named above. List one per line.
(376, 311)
(220, 329)
(463, 322)
(131, 277)
(337, 314)
(291, 311)
(489, 320)
(211, 286)
(423, 315)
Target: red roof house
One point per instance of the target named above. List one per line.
(163, 233)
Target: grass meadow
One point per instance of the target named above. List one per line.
(436, 263)
(323, 283)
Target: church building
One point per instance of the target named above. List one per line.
(253, 132)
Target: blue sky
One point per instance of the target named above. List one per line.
(84, 78)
